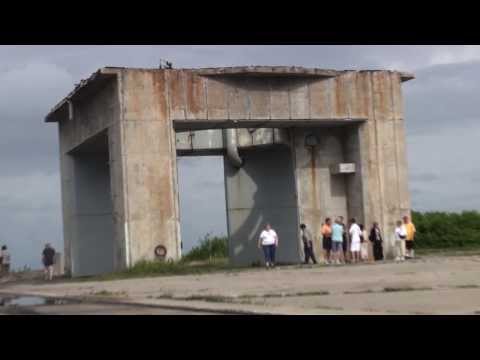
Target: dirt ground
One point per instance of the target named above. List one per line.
(427, 285)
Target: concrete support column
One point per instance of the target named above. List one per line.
(387, 190)
(148, 158)
(68, 198)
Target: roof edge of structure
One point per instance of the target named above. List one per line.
(63, 110)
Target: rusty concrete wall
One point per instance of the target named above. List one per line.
(263, 190)
(382, 189)
(250, 98)
(90, 117)
(354, 183)
(148, 164)
(139, 111)
(320, 194)
(379, 192)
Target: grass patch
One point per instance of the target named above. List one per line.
(369, 291)
(109, 293)
(210, 247)
(208, 298)
(406, 288)
(454, 251)
(468, 286)
(325, 307)
(157, 268)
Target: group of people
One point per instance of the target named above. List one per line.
(342, 245)
(48, 259)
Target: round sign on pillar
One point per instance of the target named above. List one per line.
(160, 252)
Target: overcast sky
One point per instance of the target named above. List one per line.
(441, 106)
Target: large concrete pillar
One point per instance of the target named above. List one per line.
(148, 167)
(385, 164)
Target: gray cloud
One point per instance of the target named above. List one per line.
(442, 123)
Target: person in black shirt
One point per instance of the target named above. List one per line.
(48, 256)
(376, 239)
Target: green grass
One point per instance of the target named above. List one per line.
(209, 256)
(443, 230)
(406, 288)
(210, 247)
(157, 268)
(451, 251)
(468, 286)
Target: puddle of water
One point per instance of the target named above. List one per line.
(30, 301)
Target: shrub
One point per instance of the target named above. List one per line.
(209, 247)
(447, 230)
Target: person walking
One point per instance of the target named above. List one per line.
(410, 228)
(327, 239)
(337, 241)
(364, 244)
(355, 233)
(376, 238)
(5, 255)
(268, 240)
(48, 256)
(400, 236)
(307, 244)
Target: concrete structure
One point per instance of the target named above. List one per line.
(299, 144)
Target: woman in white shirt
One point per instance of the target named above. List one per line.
(268, 240)
(400, 236)
(355, 242)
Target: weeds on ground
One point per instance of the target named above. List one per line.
(406, 288)
(210, 247)
(468, 286)
(109, 293)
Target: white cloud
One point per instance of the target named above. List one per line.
(454, 54)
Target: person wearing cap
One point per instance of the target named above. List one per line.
(48, 256)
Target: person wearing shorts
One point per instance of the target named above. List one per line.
(327, 239)
(337, 240)
(409, 241)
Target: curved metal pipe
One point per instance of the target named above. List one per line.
(232, 147)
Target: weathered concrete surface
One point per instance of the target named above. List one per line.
(149, 165)
(140, 109)
(433, 285)
(261, 191)
(320, 194)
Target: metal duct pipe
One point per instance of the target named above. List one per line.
(232, 148)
